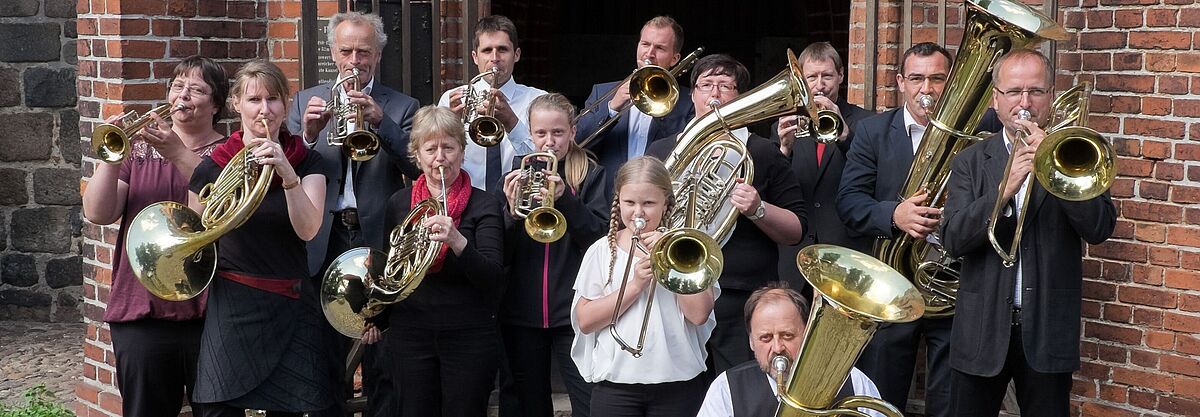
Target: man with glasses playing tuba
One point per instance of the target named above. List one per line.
(1017, 321)
(362, 126)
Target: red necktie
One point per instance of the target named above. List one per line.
(820, 151)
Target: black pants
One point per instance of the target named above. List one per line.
(668, 399)
(890, 358)
(730, 343)
(1039, 394)
(444, 372)
(156, 365)
(528, 351)
(222, 410)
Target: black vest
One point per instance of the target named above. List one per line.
(751, 393)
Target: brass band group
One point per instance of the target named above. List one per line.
(663, 259)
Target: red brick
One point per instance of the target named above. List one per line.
(211, 29)
(1093, 290)
(1185, 236)
(1128, 18)
(1188, 344)
(282, 30)
(1179, 365)
(1089, 309)
(1142, 379)
(87, 392)
(243, 10)
(1160, 62)
(1183, 279)
(1107, 332)
(1147, 296)
(1156, 106)
(118, 26)
(1189, 17)
(1164, 256)
(1114, 354)
(1161, 17)
(1125, 82)
(1177, 405)
(211, 8)
(1126, 104)
(1117, 313)
(1168, 84)
(1115, 272)
(1113, 393)
(110, 401)
(1143, 399)
(1127, 61)
(141, 91)
(254, 30)
(127, 48)
(1188, 387)
(1189, 302)
(1149, 275)
(1154, 128)
(1160, 340)
(181, 8)
(164, 27)
(1095, 370)
(214, 49)
(129, 7)
(1189, 260)
(1147, 317)
(1160, 40)
(1181, 322)
(1168, 171)
(1099, 19)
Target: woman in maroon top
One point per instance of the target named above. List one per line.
(156, 342)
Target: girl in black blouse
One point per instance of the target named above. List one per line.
(262, 346)
(535, 314)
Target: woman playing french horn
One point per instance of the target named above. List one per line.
(263, 344)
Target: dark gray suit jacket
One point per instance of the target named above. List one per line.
(876, 166)
(1050, 251)
(374, 180)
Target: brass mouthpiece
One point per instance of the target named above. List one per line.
(925, 101)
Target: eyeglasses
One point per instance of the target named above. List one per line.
(1016, 94)
(920, 79)
(194, 90)
(708, 87)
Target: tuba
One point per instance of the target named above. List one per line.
(111, 142)
(652, 89)
(172, 250)
(361, 282)
(993, 27)
(543, 223)
(349, 132)
(485, 129)
(857, 293)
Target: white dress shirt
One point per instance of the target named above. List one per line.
(719, 403)
(915, 130)
(639, 131)
(1017, 201)
(518, 140)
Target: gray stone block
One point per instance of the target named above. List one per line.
(32, 42)
(28, 143)
(68, 136)
(44, 229)
(18, 8)
(70, 54)
(12, 187)
(24, 298)
(19, 270)
(50, 87)
(64, 272)
(60, 8)
(56, 186)
(67, 310)
(10, 87)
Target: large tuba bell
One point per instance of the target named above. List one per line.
(349, 131)
(361, 282)
(111, 142)
(652, 89)
(485, 129)
(993, 27)
(172, 250)
(857, 293)
(543, 223)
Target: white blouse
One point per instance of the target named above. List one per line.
(674, 348)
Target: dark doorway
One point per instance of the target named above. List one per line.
(567, 46)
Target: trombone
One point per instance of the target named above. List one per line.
(543, 223)
(349, 132)
(1073, 163)
(635, 244)
(485, 129)
(111, 142)
(652, 89)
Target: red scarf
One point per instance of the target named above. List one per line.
(457, 197)
(293, 148)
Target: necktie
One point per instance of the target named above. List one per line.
(492, 177)
(820, 152)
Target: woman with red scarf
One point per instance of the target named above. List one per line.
(263, 346)
(443, 337)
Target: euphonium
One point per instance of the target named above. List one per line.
(1073, 163)
(111, 142)
(349, 131)
(485, 129)
(172, 250)
(361, 282)
(652, 89)
(543, 223)
(856, 294)
(993, 27)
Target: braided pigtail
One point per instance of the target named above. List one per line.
(613, 221)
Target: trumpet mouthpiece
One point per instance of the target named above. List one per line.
(639, 223)
(714, 103)
(925, 101)
(1024, 114)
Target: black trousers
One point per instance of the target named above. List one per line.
(890, 358)
(668, 399)
(1039, 394)
(222, 410)
(730, 343)
(528, 352)
(156, 365)
(443, 372)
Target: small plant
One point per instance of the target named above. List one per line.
(39, 402)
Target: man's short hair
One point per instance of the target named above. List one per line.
(497, 23)
(822, 51)
(1025, 53)
(924, 49)
(776, 290)
(668, 22)
(721, 64)
(371, 20)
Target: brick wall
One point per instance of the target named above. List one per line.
(1141, 298)
(39, 162)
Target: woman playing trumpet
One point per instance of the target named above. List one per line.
(263, 346)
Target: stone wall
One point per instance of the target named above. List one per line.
(39, 162)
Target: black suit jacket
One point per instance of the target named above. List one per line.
(876, 166)
(374, 180)
(612, 147)
(1050, 254)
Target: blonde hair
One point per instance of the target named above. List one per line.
(268, 76)
(431, 121)
(577, 161)
(641, 170)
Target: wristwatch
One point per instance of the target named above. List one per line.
(760, 212)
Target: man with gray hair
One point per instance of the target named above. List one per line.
(354, 213)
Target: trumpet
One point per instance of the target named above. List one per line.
(543, 223)
(111, 142)
(485, 129)
(349, 132)
(635, 244)
(825, 129)
(652, 89)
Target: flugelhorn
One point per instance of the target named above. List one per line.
(111, 143)
(349, 131)
(652, 89)
(543, 223)
(172, 250)
(361, 282)
(485, 129)
(1073, 163)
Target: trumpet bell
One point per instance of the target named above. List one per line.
(360, 145)
(487, 131)
(110, 143)
(654, 90)
(686, 261)
(828, 126)
(1075, 164)
(545, 224)
(160, 253)
(346, 297)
